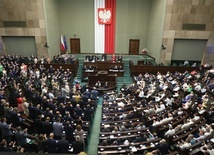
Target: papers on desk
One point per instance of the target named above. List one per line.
(152, 144)
(70, 149)
(89, 70)
(143, 146)
(111, 136)
(107, 125)
(126, 142)
(134, 149)
(30, 141)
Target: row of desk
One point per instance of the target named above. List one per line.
(102, 66)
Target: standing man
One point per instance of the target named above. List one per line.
(94, 94)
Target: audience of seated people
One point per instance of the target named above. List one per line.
(168, 106)
(42, 105)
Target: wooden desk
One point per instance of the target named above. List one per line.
(103, 65)
(103, 77)
(121, 149)
(118, 73)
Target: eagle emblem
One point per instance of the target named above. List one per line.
(104, 16)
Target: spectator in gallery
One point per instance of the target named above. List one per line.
(120, 58)
(186, 63)
(113, 58)
(206, 64)
(194, 65)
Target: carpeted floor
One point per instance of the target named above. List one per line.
(95, 130)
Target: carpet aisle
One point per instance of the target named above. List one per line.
(95, 130)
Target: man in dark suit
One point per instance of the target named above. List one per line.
(94, 94)
(21, 137)
(69, 130)
(38, 125)
(163, 147)
(88, 113)
(5, 129)
(63, 145)
(47, 127)
(51, 144)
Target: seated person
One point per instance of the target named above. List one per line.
(92, 58)
(186, 63)
(120, 58)
(91, 68)
(84, 68)
(98, 84)
(72, 59)
(87, 58)
(114, 68)
(120, 68)
(194, 65)
(206, 64)
(104, 57)
(106, 85)
(113, 58)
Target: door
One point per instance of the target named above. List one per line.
(75, 45)
(134, 46)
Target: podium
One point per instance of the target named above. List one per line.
(103, 77)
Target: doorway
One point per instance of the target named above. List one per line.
(134, 46)
(75, 45)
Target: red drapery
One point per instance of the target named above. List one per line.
(110, 28)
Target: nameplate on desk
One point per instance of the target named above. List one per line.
(89, 71)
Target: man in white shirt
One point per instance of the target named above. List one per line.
(170, 132)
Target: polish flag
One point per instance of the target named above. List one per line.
(104, 26)
(62, 45)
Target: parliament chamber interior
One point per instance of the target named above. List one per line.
(107, 77)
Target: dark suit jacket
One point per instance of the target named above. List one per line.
(77, 147)
(21, 138)
(63, 146)
(51, 146)
(5, 129)
(69, 130)
(164, 148)
(47, 128)
(94, 94)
